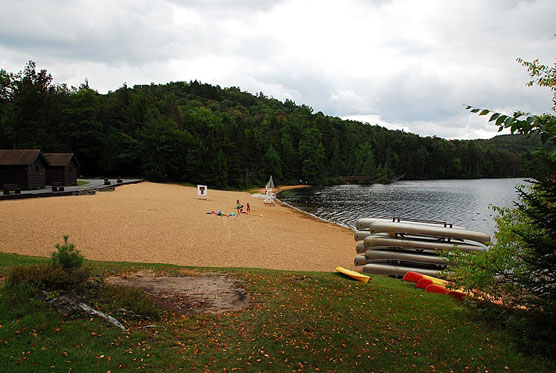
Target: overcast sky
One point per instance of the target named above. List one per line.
(404, 64)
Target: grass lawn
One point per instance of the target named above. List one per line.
(306, 321)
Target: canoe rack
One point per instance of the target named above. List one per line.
(397, 219)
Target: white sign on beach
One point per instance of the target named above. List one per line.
(202, 190)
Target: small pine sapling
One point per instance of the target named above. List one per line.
(67, 256)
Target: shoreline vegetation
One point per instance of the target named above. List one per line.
(186, 131)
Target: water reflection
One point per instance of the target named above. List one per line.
(461, 202)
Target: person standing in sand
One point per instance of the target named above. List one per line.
(238, 207)
(248, 208)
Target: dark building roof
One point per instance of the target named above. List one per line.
(18, 157)
(59, 159)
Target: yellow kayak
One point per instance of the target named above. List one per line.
(354, 275)
(436, 280)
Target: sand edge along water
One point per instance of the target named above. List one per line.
(168, 223)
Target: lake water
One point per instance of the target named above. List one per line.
(460, 202)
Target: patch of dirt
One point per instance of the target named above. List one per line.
(211, 292)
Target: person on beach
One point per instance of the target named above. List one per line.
(238, 207)
(248, 208)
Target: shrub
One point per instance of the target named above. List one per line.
(519, 268)
(48, 277)
(67, 256)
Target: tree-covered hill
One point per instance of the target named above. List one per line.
(224, 137)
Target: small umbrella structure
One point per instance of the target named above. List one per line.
(269, 194)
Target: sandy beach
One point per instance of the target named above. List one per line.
(166, 223)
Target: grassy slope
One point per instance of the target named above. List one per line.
(307, 321)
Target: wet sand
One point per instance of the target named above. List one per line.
(166, 223)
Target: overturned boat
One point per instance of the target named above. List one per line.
(423, 244)
(428, 230)
(394, 270)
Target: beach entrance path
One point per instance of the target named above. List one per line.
(168, 223)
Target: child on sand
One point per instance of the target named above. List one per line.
(239, 206)
(248, 208)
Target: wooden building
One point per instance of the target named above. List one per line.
(26, 168)
(62, 168)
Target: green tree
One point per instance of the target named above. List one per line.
(7, 129)
(312, 154)
(272, 163)
(520, 266)
(366, 165)
(160, 152)
(81, 129)
(29, 93)
(121, 154)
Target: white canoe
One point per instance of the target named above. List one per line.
(381, 242)
(360, 248)
(386, 269)
(360, 235)
(365, 223)
(361, 260)
(405, 256)
(428, 230)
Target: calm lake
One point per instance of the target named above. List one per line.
(461, 202)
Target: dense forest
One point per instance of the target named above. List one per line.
(224, 137)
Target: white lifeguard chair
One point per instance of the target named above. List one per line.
(269, 194)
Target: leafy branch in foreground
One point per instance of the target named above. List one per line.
(542, 75)
(543, 125)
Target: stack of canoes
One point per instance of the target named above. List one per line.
(395, 247)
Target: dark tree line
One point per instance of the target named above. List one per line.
(224, 137)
